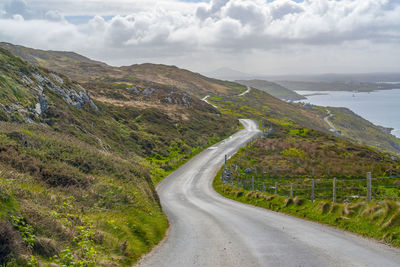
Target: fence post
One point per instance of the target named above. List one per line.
(329, 171)
(312, 189)
(264, 187)
(226, 159)
(313, 172)
(291, 190)
(369, 196)
(252, 183)
(334, 190)
(276, 188)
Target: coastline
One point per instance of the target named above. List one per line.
(378, 107)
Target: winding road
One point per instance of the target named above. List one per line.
(209, 230)
(205, 100)
(326, 119)
(245, 92)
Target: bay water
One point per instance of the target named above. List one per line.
(379, 107)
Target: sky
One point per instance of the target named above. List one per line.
(253, 36)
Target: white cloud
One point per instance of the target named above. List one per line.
(54, 15)
(169, 30)
(18, 18)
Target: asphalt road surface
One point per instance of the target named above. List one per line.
(210, 230)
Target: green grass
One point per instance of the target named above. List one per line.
(104, 188)
(273, 89)
(379, 219)
(83, 181)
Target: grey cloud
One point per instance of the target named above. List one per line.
(54, 15)
(210, 10)
(245, 12)
(16, 7)
(223, 26)
(279, 9)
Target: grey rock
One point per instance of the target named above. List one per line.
(44, 104)
(57, 78)
(149, 91)
(133, 89)
(248, 170)
(40, 78)
(26, 79)
(186, 101)
(169, 99)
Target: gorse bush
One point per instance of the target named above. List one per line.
(294, 152)
(283, 156)
(26, 231)
(54, 174)
(9, 243)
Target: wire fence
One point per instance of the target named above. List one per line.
(335, 189)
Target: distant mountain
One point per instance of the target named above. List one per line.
(226, 73)
(337, 86)
(339, 77)
(229, 74)
(274, 89)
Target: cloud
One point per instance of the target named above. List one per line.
(54, 15)
(13, 7)
(170, 28)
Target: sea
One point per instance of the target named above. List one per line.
(379, 107)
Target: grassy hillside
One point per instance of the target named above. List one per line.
(359, 130)
(292, 153)
(107, 84)
(83, 70)
(273, 89)
(302, 152)
(77, 172)
(78, 166)
(270, 110)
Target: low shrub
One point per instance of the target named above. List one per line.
(10, 243)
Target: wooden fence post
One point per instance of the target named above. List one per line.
(369, 195)
(291, 190)
(334, 190)
(312, 189)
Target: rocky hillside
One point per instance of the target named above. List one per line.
(359, 130)
(77, 169)
(83, 70)
(105, 84)
(27, 90)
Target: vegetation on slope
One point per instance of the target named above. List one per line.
(128, 131)
(294, 150)
(84, 70)
(270, 110)
(360, 130)
(273, 89)
(303, 152)
(378, 219)
(74, 203)
(94, 76)
(77, 182)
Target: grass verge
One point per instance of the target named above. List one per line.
(378, 219)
